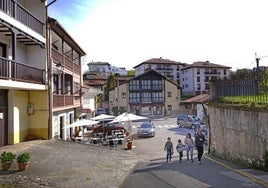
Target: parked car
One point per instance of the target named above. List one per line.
(146, 129)
(107, 128)
(188, 121)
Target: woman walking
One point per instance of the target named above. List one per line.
(189, 144)
(199, 142)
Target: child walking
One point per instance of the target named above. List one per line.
(180, 148)
(169, 148)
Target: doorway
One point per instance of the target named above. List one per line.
(3, 117)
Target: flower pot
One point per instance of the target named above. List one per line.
(23, 166)
(6, 165)
(129, 145)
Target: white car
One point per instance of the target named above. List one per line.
(146, 129)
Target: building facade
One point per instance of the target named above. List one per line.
(65, 80)
(195, 78)
(105, 69)
(147, 94)
(170, 69)
(24, 103)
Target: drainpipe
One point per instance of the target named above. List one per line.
(50, 73)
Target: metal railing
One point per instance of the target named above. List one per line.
(246, 87)
(18, 12)
(13, 70)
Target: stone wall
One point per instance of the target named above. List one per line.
(239, 134)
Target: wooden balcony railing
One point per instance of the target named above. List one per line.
(67, 62)
(18, 12)
(66, 100)
(13, 70)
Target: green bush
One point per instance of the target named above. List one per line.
(7, 157)
(23, 158)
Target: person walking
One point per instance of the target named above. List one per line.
(180, 148)
(199, 144)
(189, 144)
(169, 149)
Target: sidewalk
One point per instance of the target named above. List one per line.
(258, 176)
(57, 163)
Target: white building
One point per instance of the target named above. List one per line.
(105, 69)
(168, 68)
(195, 77)
(89, 101)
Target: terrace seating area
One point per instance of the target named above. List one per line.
(117, 139)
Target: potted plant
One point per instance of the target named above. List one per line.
(23, 161)
(7, 159)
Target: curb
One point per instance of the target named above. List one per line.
(245, 174)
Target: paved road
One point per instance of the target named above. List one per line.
(153, 171)
(67, 164)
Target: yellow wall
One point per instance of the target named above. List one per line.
(38, 126)
(18, 120)
(21, 124)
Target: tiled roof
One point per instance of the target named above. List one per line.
(94, 82)
(198, 99)
(98, 63)
(205, 64)
(160, 61)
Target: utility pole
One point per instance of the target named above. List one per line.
(117, 79)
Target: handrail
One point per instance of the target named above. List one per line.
(17, 11)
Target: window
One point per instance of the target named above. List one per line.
(134, 97)
(123, 95)
(169, 107)
(146, 97)
(157, 84)
(198, 71)
(169, 94)
(198, 78)
(134, 85)
(146, 84)
(157, 97)
(56, 84)
(224, 71)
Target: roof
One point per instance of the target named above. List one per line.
(59, 29)
(94, 82)
(203, 98)
(205, 64)
(98, 63)
(148, 72)
(160, 61)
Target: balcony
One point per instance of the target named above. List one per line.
(19, 13)
(66, 100)
(67, 63)
(12, 70)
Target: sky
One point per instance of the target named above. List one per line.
(126, 33)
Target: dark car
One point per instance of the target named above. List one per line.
(146, 129)
(188, 121)
(108, 128)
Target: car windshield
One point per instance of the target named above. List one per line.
(146, 125)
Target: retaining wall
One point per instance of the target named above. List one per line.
(238, 134)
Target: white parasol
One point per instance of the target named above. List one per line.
(128, 117)
(83, 122)
(103, 117)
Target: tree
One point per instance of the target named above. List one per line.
(131, 72)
